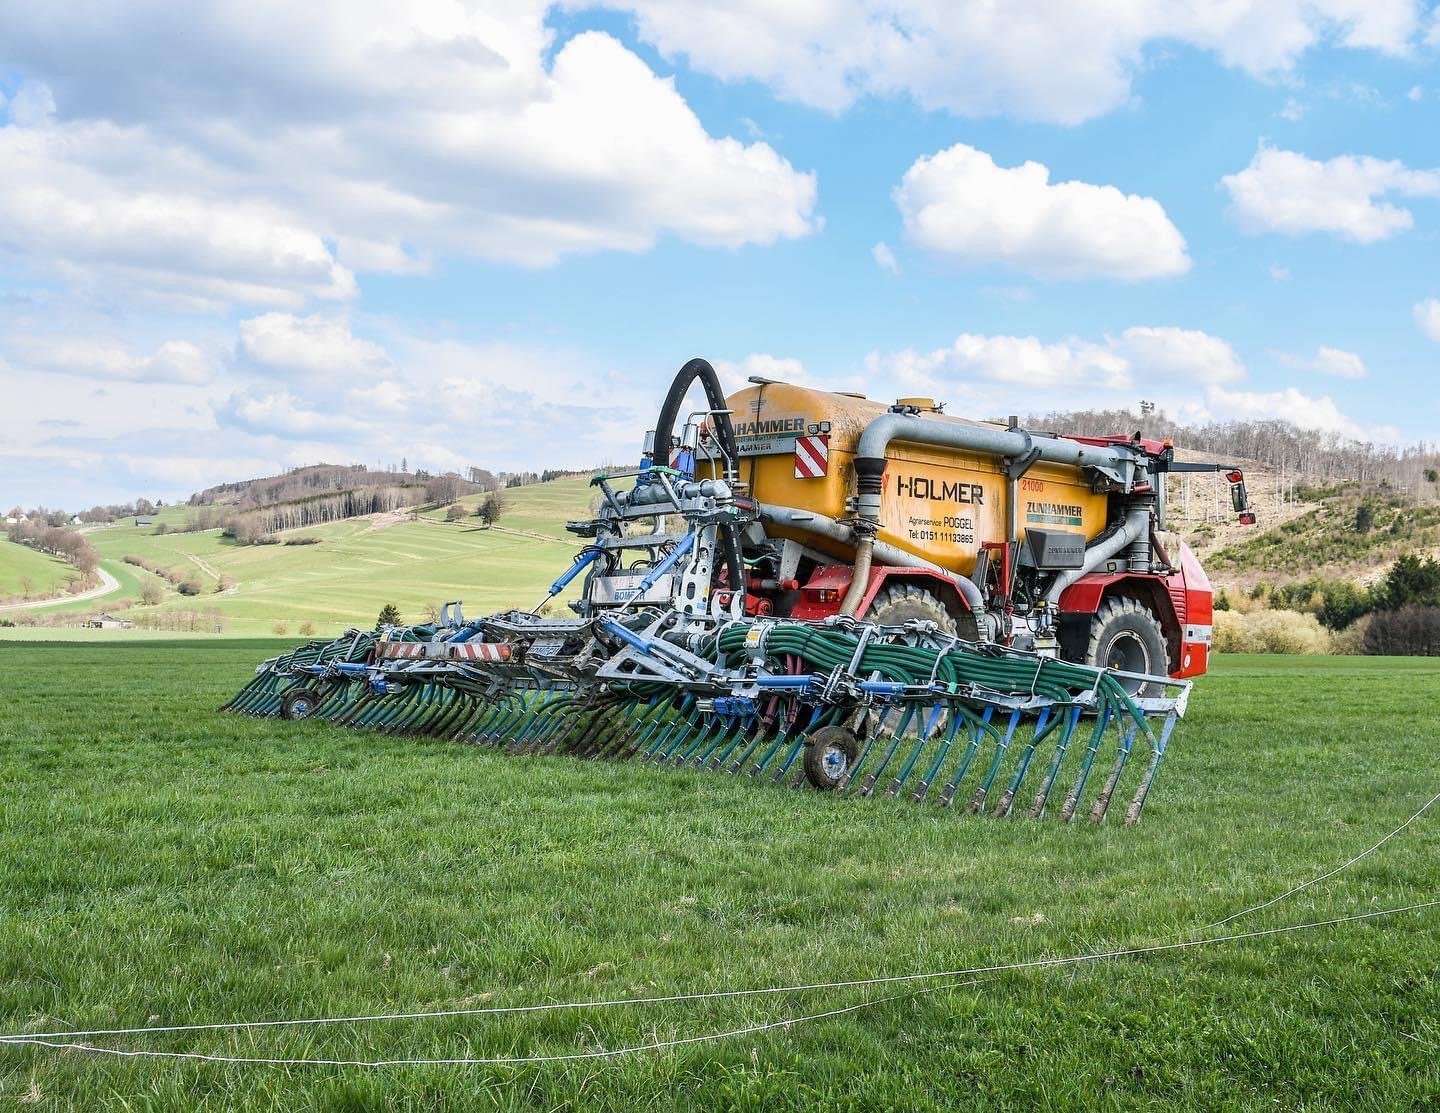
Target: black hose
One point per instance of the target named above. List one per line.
(701, 371)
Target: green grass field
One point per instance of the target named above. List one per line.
(21, 566)
(358, 566)
(163, 864)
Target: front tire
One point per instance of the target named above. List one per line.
(830, 754)
(300, 703)
(1126, 636)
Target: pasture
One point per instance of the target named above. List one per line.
(357, 567)
(24, 573)
(162, 864)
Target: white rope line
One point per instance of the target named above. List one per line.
(1325, 876)
(520, 1060)
(1032, 964)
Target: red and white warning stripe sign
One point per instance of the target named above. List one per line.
(812, 456)
(399, 651)
(450, 651)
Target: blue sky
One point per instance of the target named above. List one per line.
(234, 238)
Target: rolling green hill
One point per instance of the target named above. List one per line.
(412, 560)
(26, 573)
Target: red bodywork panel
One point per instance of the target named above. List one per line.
(825, 591)
(1183, 602)
(1150, 447)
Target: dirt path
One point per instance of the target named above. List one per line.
(204, 565)
(108, 583)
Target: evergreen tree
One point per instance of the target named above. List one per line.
(389, 616)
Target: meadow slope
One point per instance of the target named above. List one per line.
(412, 560)
(164, 864)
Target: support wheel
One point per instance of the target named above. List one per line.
(829, 754)
(901, 602)
(299, 704)
(1125, 635)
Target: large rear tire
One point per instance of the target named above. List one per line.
(1126, 636)
(901, 603)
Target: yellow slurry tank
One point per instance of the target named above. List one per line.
(938, 504)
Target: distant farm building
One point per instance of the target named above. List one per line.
(107, 622)
(144, 521)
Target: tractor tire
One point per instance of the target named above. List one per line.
(300, 703)
(829, 754)
(900, 603)
(1125, 635)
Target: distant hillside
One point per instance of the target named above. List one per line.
(299, 483)
(1299, 454)
(1327, 506)
(203, 582)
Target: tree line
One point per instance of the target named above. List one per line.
(1399, 615)
(254, 526)
(67, 544)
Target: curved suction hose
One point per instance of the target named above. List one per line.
(700, 371)
(696, 370)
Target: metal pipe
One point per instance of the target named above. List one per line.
(982, 439)
(885, 553)
(860, 573)
(1136, 525)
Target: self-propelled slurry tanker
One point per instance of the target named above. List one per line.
(814, 587)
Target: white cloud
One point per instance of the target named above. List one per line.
(1279, 272)
(73, 200)
(1284, 191)
(1293, 111)
(176, 361)
(1327, 361)
(1427, 316)
(885, 258)
(735, 375)
(283, 148)
(1034, 59)
(1294, 406)
(959, 203)
(1139, 359)
(282, 414)
(1415, 93)
(286, 345)
(1184, 355)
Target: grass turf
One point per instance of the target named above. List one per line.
(163, 864)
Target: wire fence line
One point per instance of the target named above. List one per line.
(65, 1040)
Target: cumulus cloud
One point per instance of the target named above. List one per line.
(885, 258)
(1295, 406)
(1427, 316)
(1327, 361)
(320, 346)
(1140, 358)
(960, 204)
(282, 414)
(1033, 59)
(1284, 191)
(67, 206)
(735, 374)
(176, 361)
(282, 149)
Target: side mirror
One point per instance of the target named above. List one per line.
(1240, 497)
